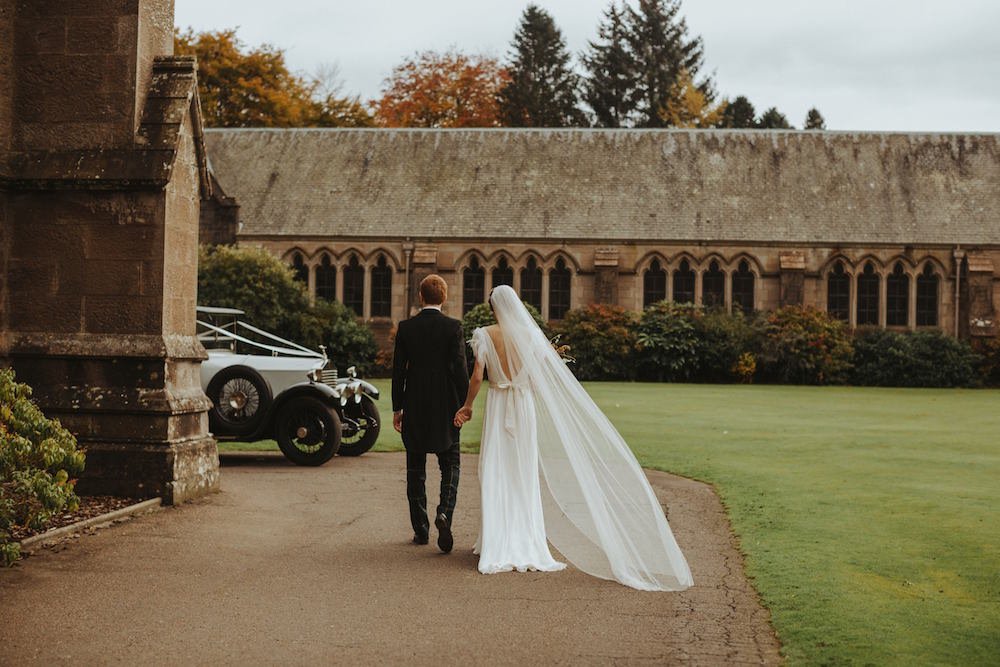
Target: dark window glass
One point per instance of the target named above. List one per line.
(559, 290)
(927, 297)
(868, 287)
(743, 288)
(473, 285)
(684, 283)
(503, 274)
(838, 293)
(531, 284)
(300, 269)
(381, 305)
(713, 287)
(654, 284)
(354, 286)
(326, 280)
(897, 298)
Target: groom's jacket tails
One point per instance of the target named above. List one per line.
(429, 379)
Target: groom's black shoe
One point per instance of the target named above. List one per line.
(445, 540)
(420, 539)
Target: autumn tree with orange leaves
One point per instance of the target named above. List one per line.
(242, 86)
(448, 89)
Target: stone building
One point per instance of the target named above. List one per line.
(890, 230)
(102, 168)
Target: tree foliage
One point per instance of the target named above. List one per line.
(448, 89)
(265, 288)
(663, 52)
(542, 88)
(739, 114)
(772, 119)
(920, 359)
(609, 88)
(814, 120)
(804, 346)
(689, 107)
(243, 86)
(38, 463)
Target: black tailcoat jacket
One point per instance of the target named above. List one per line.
(429, 379)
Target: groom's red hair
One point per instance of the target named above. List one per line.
(433, 290)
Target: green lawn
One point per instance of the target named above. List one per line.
(870, 517)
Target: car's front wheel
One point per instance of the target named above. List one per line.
(361, 427)
(307, 430)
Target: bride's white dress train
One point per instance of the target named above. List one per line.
(512, 533)
(591, 499)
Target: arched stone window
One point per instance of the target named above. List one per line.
(326, 280)
(927, 297)
(473, 285)
(743, 288)
(683, 283)
(354, 286)
(531, 284)
(897, 297)
(838, 293)
(868, 296)
(559, 290)
(300, 269)
(503, 274)
(654, 284)
(381, 296)
(713, 286)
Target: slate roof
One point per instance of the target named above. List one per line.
(615, 185)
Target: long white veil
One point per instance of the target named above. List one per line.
(600, 511)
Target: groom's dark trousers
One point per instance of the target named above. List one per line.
(429, 383)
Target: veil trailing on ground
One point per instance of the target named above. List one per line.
(600, 511)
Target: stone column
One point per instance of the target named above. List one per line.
(100, 178)
(605, 276)
(792, 266)
(982, 315)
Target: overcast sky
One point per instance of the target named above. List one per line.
(866, 64)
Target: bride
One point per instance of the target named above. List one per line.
(595, 505)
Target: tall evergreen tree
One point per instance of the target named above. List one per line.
(815, 120)
(609, 87)
(542, 91)
(739, 114)
(659, 42)
(772, 119)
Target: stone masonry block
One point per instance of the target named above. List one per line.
(40, 36)
(115, 314)
(91, 35)
(112, 277)
(57, 314)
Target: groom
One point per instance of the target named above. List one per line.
(429, 383)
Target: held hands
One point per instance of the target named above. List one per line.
(397, 421)
(463, 415)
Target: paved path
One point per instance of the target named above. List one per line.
(313, 565)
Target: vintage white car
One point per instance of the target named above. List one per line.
(263, 386)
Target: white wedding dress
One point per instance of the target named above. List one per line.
(512, 534)
(552, 466)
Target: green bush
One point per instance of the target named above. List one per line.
(602, 340)
(921, 359)
(988, 350)
(348, 342)
(803, 346)
(669, 343)
(725, 339)
(262, 286)
(38, 461)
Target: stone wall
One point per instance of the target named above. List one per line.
(99, 189)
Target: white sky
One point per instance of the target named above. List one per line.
(866, 64)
